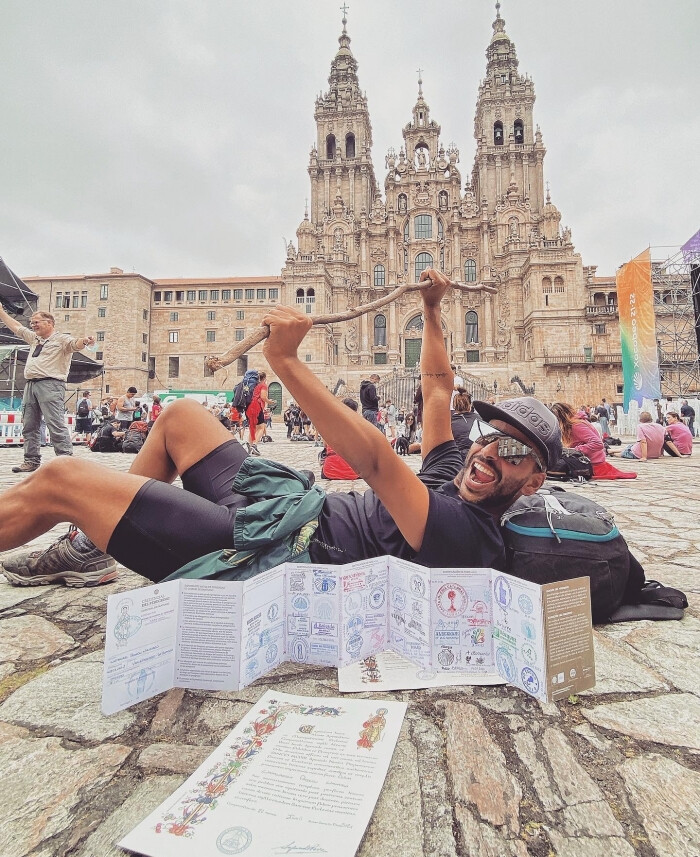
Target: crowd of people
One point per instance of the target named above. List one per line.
(587, 429)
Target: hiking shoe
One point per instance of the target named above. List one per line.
(60, 563)
(26, 467)
(254, 449)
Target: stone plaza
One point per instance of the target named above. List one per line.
(479, 771)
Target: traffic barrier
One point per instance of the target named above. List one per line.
(11, 429)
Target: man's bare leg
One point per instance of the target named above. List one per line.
(181, 436)
(62, 490)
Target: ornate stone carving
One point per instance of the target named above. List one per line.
(503, 335)
(351, 337)
(421, 194)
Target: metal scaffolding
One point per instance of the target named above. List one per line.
(674, 308)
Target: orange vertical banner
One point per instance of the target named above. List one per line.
(640, 358)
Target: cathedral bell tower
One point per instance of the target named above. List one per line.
(340, 165)
(509, 150)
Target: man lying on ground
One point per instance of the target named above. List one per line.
(445, 516)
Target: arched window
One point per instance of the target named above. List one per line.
(330, 147)
(301, 298)
(599, 299)
(350, 146)
(518, 132)
(415, 325)
(379, 275)
(471, 328)
(380, 330)
(470, 271)
(423, 226)
(498, 133)
(443, 200)
(423, 261)
(546, 285)
(558, 285)
(405, 232)
(403, 203)
(310, 300)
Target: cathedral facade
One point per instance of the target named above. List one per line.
(496, 226)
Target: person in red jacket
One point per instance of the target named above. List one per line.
(255, 413)
(333, 465)
(578, 433)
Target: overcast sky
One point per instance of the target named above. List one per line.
(172, 138)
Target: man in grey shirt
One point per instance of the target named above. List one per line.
(46, 371)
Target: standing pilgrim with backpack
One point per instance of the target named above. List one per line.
(256, 399)
(83, 413)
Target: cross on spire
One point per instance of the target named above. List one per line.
(420, 81)
(344, 9)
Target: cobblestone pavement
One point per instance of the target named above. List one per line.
(486, 772)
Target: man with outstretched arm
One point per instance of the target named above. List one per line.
(446, 515)
(46, 372)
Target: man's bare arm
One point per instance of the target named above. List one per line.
(10, 322)
(436, 373)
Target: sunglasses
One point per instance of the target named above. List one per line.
(510, 449)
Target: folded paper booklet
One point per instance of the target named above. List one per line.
(297, 775)
(223, 635)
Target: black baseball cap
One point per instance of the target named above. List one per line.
(532, 418)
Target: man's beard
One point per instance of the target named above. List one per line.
(505, 490)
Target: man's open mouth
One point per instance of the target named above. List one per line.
(480, 473)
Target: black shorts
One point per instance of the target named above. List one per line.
(166, 527)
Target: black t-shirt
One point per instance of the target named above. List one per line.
(687, 411)
(461, 426)
(356, 526)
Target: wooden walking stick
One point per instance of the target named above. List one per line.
(215, 363)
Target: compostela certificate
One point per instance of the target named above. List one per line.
(298, 775)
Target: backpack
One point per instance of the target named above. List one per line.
(553, 535)
(573, 465)
(83, 408)
(243, 391)
(135, 437)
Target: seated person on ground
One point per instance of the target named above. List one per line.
(108, 438)
(448, 515)
(332, 465)
(650, 439)
(409, 434)
(679, 440)
(578, 433)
